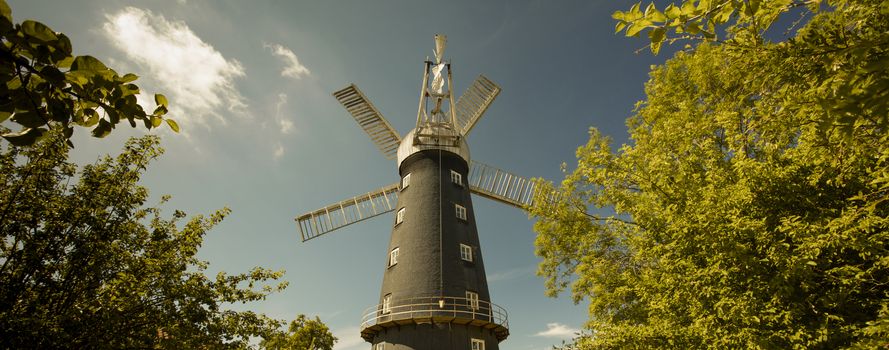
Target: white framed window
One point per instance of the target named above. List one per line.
(387, 303)
(465, 252)
(472, 297)
(399, 217)
(461, 211)
(477, 344)
(393, 257)
(456, 178)
(405, 182)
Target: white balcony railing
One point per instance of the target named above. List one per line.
(435, 309)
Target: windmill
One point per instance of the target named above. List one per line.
(434, 293)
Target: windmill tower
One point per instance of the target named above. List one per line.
(434, 293)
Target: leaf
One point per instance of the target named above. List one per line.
(38, 31)
(25, 137)
(65, 62)
(173, 125)
(159, 111)
(672, 11)
(160, 100)
(58, 111)
(656, 47)
(688, 8)
(653, 14)
(156, 121)
(634, 11)
(128, 78)
(5, 10)
(657, 34)
(63, 44)
(88, 63)
(692, 28)
(28, 119)
(78, 77)
(103, 129)
(52, 74)
(619, 26)
(92, 120)
(4, 114)
(635, 28)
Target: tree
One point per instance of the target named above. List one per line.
(84, 264)
(751, 208)
(303, 333)
(851, 40)
(44, 86)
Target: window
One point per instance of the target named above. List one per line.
(456, 178)
(478, 344)
(473, 300)
(405, 182)
(393, 257)
(461, 211)
(387, 307)
(465, 252)
(399, 217)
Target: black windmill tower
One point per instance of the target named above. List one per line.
(435, 293)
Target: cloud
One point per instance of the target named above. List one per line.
(348, 338)
(198, 80)
(286, 125)
(279, 151)
(557, 330)
(292, 67)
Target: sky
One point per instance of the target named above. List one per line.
(250, 84)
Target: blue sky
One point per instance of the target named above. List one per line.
(250, 84)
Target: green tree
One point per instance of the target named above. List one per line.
(303, 333)
(84, 264)
(751, 207)
(44, 86)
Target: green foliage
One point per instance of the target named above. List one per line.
(303, 333)
(745, 21)
(751, 209)
(83, 264)
(44, 86)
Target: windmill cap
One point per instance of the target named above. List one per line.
(445, 139)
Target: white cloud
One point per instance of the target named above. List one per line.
(348, 339)
(292, 67)
(285, 124)
(279, 151)
(196, 78)
(557, 330)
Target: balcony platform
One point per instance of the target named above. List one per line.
(431, 310)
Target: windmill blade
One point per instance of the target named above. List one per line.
(474, 102)
(370, 119)
(488, 181)
(347, 212)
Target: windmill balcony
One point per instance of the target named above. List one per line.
(420, 310)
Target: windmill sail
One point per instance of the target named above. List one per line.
(347, 212)
(488, 181)
(370, 119)
(474, 101)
